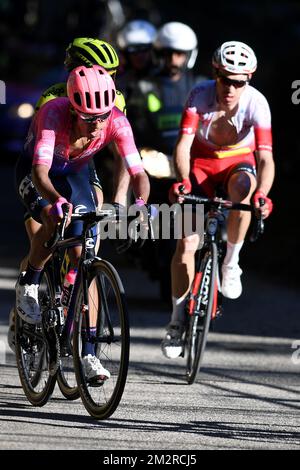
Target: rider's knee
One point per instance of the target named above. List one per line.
(240, 186)
(188, 245)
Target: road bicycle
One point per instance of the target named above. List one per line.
(204, 301)
(51, 351)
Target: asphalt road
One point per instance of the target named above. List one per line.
(246, 397)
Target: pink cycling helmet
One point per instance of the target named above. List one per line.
(91, 90)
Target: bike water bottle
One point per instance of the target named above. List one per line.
(68, 288)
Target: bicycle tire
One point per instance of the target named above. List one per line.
(32, 355)
(198, 326)
(66, 384)
(102, 401)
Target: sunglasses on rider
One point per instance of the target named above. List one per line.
(229, 82)
(94, 117)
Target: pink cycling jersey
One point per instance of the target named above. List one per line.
(48, 141)
(252, 122)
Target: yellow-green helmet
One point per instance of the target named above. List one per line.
(90, 51)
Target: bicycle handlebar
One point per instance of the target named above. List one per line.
(91, 217)
(218, 203)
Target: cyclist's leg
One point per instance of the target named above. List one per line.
(27, 297)
(31, 226)
(98, 192)
(240, 185)
(182, 266)
(82, 196)
(182, 273)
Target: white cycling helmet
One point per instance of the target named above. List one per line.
(235, 57)
(136, 33)
(180, 37)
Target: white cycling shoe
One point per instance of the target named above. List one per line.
(27, 303)
(172, 344)
(231, 281)
(93, 369)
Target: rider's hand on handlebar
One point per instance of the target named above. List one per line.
(56, 211)
(140, 204)
(263, 204)
(174, 192)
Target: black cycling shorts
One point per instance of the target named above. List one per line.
(75, 187)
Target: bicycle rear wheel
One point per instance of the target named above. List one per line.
(32, 353)
(203, 297)
(106, 295)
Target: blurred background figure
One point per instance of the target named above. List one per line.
(175, 50)
(155, 101)
(135, 41)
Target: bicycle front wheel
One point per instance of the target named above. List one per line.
(66, 378)
(203, 297)
(105, 297)
(32, 353)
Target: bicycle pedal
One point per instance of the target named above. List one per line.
(95, 382)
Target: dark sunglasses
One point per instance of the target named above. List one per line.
(94, 117)
(229, 82)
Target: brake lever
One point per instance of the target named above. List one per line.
(150, 224)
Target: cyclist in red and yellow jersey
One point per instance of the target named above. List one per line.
(224, 122)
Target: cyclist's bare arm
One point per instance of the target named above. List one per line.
(121, 178)
(265, 170)
(182, 156)
(265, 178)
(140, 185)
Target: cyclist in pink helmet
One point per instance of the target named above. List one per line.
(53, 169)
(91, 90)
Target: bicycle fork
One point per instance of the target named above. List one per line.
(200, 291)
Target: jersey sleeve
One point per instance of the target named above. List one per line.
(123, 137)
(190, 117)
(189, 121)
(262, 123)
(47, 123)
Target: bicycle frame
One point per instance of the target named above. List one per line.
(57, 244)
(204, 300)
(214, 218)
